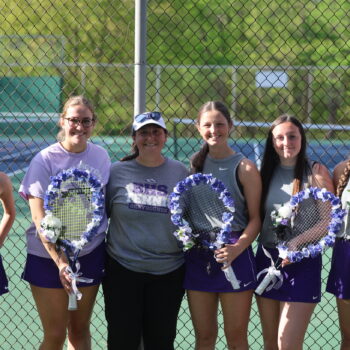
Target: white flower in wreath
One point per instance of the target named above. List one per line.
(91, 225)
(283, 252)
(282, 215)
(184, 231)
(51, 227)
(79, 244)
(285, 211)
(51, 235)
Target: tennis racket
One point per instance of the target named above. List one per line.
(74, 207)
(304, 228)
(202, 208)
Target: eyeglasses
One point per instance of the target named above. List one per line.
(86, 122)
(146, 116)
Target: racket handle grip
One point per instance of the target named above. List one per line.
(231, 277)
(72, 302)
(263, 284)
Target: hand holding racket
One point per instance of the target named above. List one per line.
(73, 211)
(202, 208)
(304, 228)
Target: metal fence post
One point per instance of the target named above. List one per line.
(140, 56)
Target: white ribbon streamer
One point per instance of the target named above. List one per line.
(75, 277)
(273, 278)
(231, 277)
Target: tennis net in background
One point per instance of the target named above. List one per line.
(22, 135)
(34, 126)
(29, 105)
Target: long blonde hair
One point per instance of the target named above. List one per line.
(74, 101)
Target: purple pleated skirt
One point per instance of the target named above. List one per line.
(339, 278)
(301, 280)
(43, 272)
(204, 274)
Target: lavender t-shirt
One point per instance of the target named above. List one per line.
(49, 162)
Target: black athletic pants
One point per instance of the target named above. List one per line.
(141, 304)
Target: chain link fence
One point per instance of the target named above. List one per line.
(262, 58)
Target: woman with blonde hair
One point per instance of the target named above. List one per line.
(46, 268)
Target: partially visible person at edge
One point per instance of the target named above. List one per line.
(143, 286)
(46, 267)
(285, 312)
(206, 289)
(339, 279)
(8, 217)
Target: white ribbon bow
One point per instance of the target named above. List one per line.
(75, 277)
(273, 278)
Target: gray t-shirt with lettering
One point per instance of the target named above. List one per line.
(140, 235)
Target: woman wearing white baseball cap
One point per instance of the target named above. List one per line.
(143, 287)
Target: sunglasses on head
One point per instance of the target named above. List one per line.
(146, 116)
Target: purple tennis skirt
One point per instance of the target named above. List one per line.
(301, 280)
(204, 274)
(3, 279)
(43, 272)
(339, 279)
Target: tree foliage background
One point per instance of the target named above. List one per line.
(97, 40)
(197, 51)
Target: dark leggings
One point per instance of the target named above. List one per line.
(141, 304)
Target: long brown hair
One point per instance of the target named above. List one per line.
(271, 159)
(197, 162)
(134, 150)
(344, 178)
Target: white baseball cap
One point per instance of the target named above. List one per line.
(145, 118)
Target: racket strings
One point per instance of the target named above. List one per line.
(73, 206)
(309, 224)
(203, 210)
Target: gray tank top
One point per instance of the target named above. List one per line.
(280, 191)
(226, 170)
